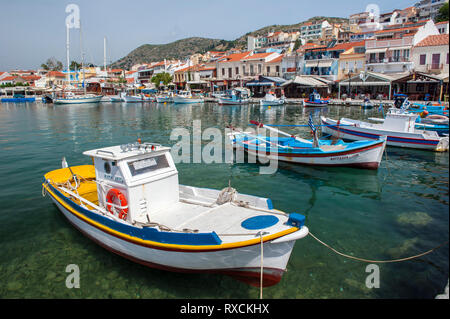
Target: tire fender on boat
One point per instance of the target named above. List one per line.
(112, 194)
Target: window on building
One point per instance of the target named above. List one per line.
(277, 69)
(423, 59)
(223, 71)
(230, 75)
(447, 58)
(268, 70)
(259, 68)
(243, 69)
(237, 70)
(406, 54)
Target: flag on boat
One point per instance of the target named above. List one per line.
(311, 123)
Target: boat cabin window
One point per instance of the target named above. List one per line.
(148, 165)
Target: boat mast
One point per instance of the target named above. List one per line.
(82, 59)
(104, 53)
(67, 54)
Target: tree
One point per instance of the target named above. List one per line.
(297, 44)
(443, 13)
(75, 65)
(163, 77)
(52, 65)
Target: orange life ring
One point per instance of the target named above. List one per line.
(114, 193)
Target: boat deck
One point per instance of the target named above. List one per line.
(197, 210)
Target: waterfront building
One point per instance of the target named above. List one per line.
(324, 61)
(352, 61)
(312, 31)
(431, 55)
(390, 50)
(429, 9)
(442, 27)
(231, 71)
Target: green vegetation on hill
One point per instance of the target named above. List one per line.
(176, 50)
(184, 48)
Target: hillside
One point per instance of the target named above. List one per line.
(175, 50)
(242, 41)
(183, 48)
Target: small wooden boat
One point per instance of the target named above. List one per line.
(130, 203)
(361, 154)
(399, 127)
(315, 100)
(186, 97)
(235, 96)
(271, 100)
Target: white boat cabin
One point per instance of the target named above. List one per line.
(399, 121)
(145, 173)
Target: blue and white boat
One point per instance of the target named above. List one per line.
(235, 96)
(130, 202)
(186, 97)
(70, 98)
(18, 98)
(315, 100)
(398, 126)
(361, 154)
(271, 100)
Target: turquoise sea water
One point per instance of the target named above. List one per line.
(398, 211)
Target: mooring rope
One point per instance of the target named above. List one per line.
(378, 261)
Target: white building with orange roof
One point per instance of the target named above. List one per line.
(431, 55)
(390, 50)
(442, 27)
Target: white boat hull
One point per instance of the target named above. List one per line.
(79, 100)
(368, 157)
(419, 139)
(240, 262)
(187, 100)
(164, 99)
(223, 101)
(131, 99)
(271, 103)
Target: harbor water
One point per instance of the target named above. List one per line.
(397, 211)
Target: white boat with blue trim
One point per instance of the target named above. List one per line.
(270, 99)
(318, 152)
(398, 126)
(186, 97)
(70, 98)
(130, 202)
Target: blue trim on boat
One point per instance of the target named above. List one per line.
(150, 234)
(269, 204)
(259, 222)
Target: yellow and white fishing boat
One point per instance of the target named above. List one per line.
(130, 202)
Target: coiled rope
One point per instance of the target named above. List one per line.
(378, 261)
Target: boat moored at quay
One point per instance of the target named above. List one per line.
(398, 126)
(130, 203)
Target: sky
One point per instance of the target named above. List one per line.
(31, 31)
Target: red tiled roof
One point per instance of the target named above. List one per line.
(434, 40)
(257, 56)
(56, 74)
(442, 22)
(347, 46)
(234, 57)
(277, 59)
(9, 78)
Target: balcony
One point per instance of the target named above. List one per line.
(397, 59)
(436, 67)
(390, 43)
